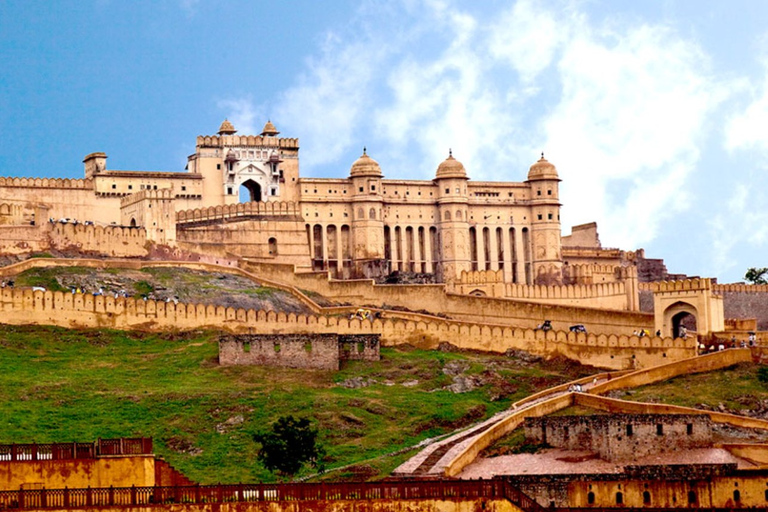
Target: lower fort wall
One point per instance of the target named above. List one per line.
(710, 362)
(267, 239)
(459, 307)
(24, 306)
(115, 241)
(122, 471)
(353, 505)
(622, 437)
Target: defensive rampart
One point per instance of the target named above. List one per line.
(218, 213)
(19, 306)
(609, 295)
(47, 183)
(490, 310)
(114, 241)
(706, 363)
(24, 306)
(441, 496)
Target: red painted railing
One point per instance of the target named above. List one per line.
(69, 451)
(136, 496)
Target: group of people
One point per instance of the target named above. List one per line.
(67, 220)
(719, 345)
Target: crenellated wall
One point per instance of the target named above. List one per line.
(217, 213)
(247, 140)
(115, 241)
(23, 306)
(493, 310)
(65, 183)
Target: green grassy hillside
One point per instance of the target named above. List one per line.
(61, 385)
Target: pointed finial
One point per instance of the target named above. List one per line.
(364, 150)
(542, 155)
(450, 153)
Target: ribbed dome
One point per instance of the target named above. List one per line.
(451, 168)
(542, 170)
(365, 166)
(226, 128)
(269, 130)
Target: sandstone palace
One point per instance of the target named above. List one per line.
(242, 195)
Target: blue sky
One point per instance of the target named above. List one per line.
(654, 112)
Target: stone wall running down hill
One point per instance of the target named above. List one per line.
(20, 307)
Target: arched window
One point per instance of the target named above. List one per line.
(458, 214)
(692, 497)
(273, 246)
(360, 213)
(372, 214)
(447, 215)
(133, 222)
(619, 498)
(736, 496)
(646, 498)
(591, 498)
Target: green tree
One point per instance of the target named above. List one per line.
(757, 275)
(289, 445)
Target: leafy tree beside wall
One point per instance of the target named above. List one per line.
(289, 445)
(757, 275)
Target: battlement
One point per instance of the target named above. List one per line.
(109, 240)
(165, 193)
(85, 184)
(741, 288)
(271, 208)
(218, 141)
(696, 284)
(25, 306)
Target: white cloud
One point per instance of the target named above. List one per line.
(621, 108)
(243, 114)
(627, 129)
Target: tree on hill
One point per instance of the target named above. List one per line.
(289, 445)
(757, 275)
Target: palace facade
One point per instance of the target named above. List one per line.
(361, 225)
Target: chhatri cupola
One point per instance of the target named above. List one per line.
(226, 128)
(269, 130)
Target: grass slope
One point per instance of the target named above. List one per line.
(62, 385)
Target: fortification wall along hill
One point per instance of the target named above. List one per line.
(659, 373)
(491, 310)
(115, 241)
(23, 306)
(607, 295)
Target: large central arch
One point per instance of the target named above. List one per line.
(253, 190)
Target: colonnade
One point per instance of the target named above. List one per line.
(419, 249)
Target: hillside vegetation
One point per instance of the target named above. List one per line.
(163, 283)
(63, 385)
(737, 390)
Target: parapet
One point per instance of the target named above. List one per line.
(67, 183)
(270, 208)
(697, 284)
(217, 141)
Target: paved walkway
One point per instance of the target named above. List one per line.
(554, 461)
(432, 460)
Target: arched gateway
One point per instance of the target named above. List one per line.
(687, 303)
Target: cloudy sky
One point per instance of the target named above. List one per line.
(654, 112)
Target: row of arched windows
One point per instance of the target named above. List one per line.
(692, 497)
